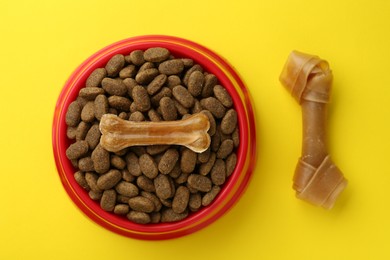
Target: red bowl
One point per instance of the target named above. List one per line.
(246, 152)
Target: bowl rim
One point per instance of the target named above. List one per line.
(246, 153)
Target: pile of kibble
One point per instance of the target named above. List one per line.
(157, 183)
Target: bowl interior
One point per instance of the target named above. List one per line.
(232, 188)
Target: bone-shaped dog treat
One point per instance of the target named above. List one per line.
(191, 132)
(317, 179)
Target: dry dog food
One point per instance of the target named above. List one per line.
(154, 183)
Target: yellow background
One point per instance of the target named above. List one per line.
(42, 42)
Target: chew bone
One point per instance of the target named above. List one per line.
(191, 132)
(317, 179)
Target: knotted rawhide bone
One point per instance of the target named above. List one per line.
(317, 179)
(191, 132)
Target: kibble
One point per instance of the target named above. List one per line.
(86, 164)
(96, 78)
(114, 87)
(90, 93)
(101, 159)
(77, 150)
(156, 183)
(73, 115)
(141, 204)
(115, 64)
(214, 106)
(108, 200)
(171, 67)
(210, 196)
(109, 179)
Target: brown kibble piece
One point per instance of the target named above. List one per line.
(156, 149)
(88, 112)
(180, 109)
(168, 161)
(96, 77)
(120, 103)
(141, 204)
(188, 73)
(93, 136)
(118, 162)
(204, 157)
(130, 83)
(163, 186)
(77, 150)
(146, 76)
(71, 132)
(210, 80)
(152, 197)
(128, 72)
(215, 141)
(223, 96)
(145, 184)
(176, 171)
(101, 106)
(82, 130)
(107, 202)
(199, 182)
(138, 217)
(156, 84)
(80, 179)
(168, 215)
(121, 209)
(173, 80)
(141, 98)
(73, 114)
(231, 162)
(180, 200)
(236, 137)
(127, 189)
(195, 201)
(154, 116)
(109, 179)
(225, 149)
(183, 96)
(171, 67)
(137, 57)
(197, 108)
(133, 164)
(114, 87)
(86, 164)
(101, 159)
(136, 117)
(205, 168)
(148, 166)
(95, 195)
(210, 196)
(168, 109)
(214, 106)
(126, 175)
(188, 160)
(218, 172)
(91, 179)
(195, 83)
(115, 64)
(90, 93)
(187, 62)
(164, 92)
(156, 54)
(229, 122)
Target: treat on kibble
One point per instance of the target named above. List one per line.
(159, 181)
